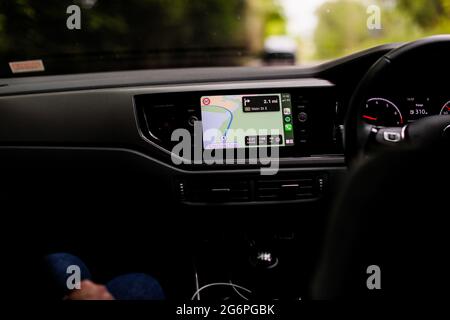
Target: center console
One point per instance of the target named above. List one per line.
(299, 119)
(272, 224)
(236, 122)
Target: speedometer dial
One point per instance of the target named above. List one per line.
(382, 112)
(445, 111)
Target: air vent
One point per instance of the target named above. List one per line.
(273, 190)
(252, 189)
(160, 114)
(217, 191)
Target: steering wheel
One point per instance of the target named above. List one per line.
(425, 54)
(388, 212)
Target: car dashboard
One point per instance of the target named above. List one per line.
(95, 152)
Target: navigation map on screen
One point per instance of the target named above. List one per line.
(243, 121)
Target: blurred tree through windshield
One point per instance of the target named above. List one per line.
(146, 34)
(341, 24)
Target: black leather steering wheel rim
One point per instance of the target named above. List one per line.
(357, 131)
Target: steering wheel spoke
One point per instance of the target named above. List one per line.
(390, 136)
(384, 138)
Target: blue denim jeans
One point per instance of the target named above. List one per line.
(133, 286)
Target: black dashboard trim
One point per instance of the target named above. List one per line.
(331, 163)
(107, 117)
(123, 79)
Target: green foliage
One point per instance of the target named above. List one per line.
(275, 25)
(35, 29)
(38, 28)
(424, 13)
(274, 20)
(342, 24)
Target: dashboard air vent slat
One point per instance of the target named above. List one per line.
(218, 191)
(271, 190)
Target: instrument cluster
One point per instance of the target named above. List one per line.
(397, 112)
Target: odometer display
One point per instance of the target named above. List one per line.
(382, 112)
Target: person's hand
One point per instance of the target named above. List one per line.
(90, 291)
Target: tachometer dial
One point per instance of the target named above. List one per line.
(445, 111)
(382, 112)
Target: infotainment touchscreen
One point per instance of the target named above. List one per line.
(248, 120)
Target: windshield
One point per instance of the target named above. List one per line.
(77, 36)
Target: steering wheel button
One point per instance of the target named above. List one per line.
(392, 136)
